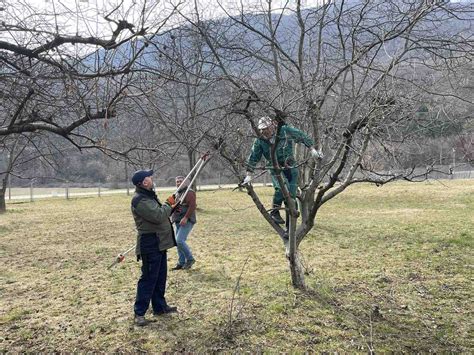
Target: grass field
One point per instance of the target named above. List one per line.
(390, 268)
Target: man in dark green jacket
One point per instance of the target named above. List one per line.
(155, 235)
(288, 137)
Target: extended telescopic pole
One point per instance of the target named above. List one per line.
(202, 161)
(196, 166)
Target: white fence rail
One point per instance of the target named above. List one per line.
(32, 193)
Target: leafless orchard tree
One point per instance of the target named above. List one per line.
(351, 73)
(61, 76)
(21, 152)
(188, 106)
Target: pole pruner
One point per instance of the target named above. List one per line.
(119, 258)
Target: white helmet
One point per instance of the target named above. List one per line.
(264, 122)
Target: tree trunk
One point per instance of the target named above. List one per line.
(297, 271)
(3, 189)
(294, 258)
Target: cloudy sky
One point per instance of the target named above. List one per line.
(86, 16)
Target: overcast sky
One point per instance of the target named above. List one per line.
(86, 16)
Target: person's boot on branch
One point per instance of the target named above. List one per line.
(275, 214)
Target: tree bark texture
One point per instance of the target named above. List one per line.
(294, 259)
(297, 271)
(3, 189)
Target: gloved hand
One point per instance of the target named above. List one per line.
(171, 200)
(247, 179)
(316, 154)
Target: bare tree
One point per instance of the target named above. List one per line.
(188, 105)
(59, 77)
(65, 71)
(25, 157)
(353, 74)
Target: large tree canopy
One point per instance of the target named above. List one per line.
(351, 73)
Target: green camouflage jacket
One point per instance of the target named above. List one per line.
(285, 150)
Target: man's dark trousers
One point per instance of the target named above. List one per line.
(152, 283)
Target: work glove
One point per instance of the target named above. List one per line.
(171, 200)
(316, 154)
(247, 179)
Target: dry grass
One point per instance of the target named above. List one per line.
(390, 269)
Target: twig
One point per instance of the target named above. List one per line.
(236, 288)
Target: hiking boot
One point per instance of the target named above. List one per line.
(140, 321)
(166, 310)
(177, 267)
(188, 264)
(275, 214)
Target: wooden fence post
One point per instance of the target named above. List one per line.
(31, 190)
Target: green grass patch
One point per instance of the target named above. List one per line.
(4, 230)
(389, 268)
(13, 315)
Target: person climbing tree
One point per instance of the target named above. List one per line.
(284, 152)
